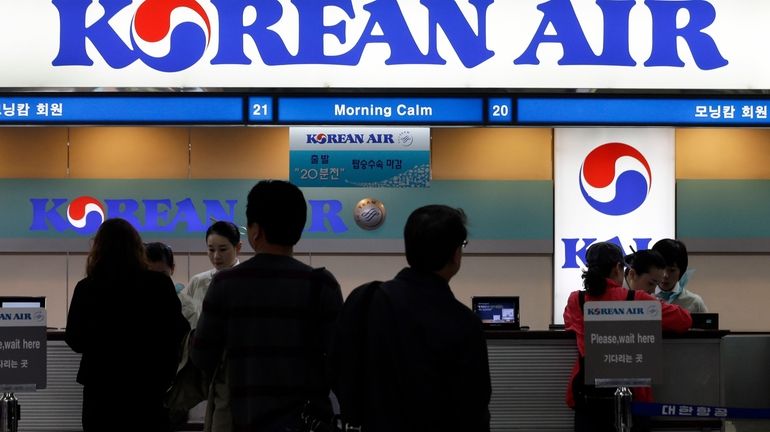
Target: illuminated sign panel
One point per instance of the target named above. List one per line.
(120, 109)
(623, 111)
(697, 44)
(380, 110)
(609, 185)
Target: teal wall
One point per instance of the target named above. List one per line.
(497, 210)
(723, 209)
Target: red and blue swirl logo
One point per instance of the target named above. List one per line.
(85, 214)
(615, 179)
(188, 41)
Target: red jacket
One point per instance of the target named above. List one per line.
(674, 319)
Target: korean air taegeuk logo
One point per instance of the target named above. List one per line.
(611, 187)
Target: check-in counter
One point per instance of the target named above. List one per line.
(529, 371)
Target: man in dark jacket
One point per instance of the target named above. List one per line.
(266, 324)
(407, 355)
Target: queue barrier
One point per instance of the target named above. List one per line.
(697, 411)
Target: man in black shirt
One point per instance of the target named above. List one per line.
(407, 355)
(266, 324)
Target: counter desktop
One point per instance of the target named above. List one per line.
(529, 372)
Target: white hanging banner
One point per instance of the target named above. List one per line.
(613, 185)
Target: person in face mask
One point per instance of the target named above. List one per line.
(672, 287)
(160, 258)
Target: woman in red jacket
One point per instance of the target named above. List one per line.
(602, 282)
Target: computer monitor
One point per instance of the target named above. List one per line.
(498, 312)
(22, 302)
(705, 320)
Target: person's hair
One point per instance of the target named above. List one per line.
(280, 210)
(644, 260)
(117, 252)
(157, 251)
(227, 230)
(601, 259)
(673, 252)
(432, 234)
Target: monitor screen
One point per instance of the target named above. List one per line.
(705, 321)
(498, 311)
(22, 302)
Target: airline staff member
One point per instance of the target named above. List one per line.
(224, 243)
(645, 271)
(672, 287)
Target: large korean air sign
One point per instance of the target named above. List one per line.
(49, 215)
(614, 185)
(385, 43)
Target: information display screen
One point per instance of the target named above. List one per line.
(383, 110)
(120, 109)
(603, 111)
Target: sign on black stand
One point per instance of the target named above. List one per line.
(23, 349)
(623, 349)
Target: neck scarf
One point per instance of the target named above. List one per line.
(669, 296)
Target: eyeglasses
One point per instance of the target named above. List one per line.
(465, 243)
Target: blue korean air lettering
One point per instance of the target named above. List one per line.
(16, 316)
(569, 34)
(573, 252)
(340, 138)
(385, 24)
(85, 214)
(151, 23)
(606, 311)
(325, 216)
(615, 311)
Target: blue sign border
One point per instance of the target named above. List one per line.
(450, 109)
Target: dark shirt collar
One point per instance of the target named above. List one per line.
(423, 278)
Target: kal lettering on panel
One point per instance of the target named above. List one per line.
(612, 185)
(696, 44)
(325, 156)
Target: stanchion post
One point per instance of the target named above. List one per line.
(9, 413)
(623, 418)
